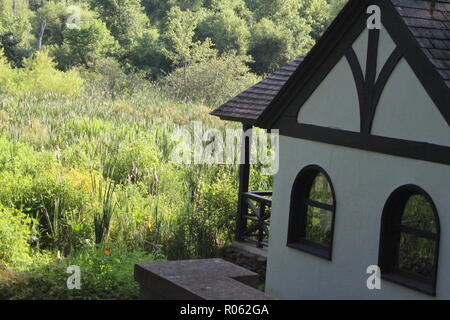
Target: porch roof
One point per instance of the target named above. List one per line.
(248, 105)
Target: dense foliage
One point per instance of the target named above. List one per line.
(107, 273)
(91, 164)
(158, 36)
(91, 95)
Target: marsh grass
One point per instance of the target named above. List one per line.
(108, 175)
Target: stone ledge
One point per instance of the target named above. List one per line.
(248, 257)
(210, 279)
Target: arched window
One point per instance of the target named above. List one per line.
(409, 240)
(311, 218)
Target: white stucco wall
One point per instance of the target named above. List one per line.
(362, 181)
(406, 111)
(385, 47)
(334, 103)
(360, 47)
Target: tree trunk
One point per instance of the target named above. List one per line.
(41, 34)
(14, 7)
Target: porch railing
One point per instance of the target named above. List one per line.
(254, 218)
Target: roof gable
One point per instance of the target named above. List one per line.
(416, 34)
(371, 74)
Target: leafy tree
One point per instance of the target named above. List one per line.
(36, 4)
(226, 30)
(181, 47)
(13, 50)
(156, 9)
(272, 46)
(147, 54)
(54, 15)
(15, 30)
(192, 5)
(125, 19)
(211, 82)
(238, 6)
(86, 44)
(294, 14)
(317, 14)
(335, 7)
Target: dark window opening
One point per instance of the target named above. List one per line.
(409, 243)
(311, 218)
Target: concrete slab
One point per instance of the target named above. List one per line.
(209, 279)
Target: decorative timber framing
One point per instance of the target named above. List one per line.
(335, 44)
(368, 86)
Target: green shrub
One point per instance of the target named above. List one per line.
(212, 221)
(38, 78)
(212, 82)
(56, 199)
(17, 156)
(132, 161)
(106, 273)
(16, 230)
(204, 222)
(107, 75)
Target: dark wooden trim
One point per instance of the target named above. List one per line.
(244, 177)
(381, 82)
(358, 76)
(298, 213)
(259, 197)
(245, 121)
(410, 283)
(259, 214)
(372, 57)
(418, 233)
(391, 228)
(319, 205)
(371, 74)
(370, 88)
(392, 146)
(313, 248)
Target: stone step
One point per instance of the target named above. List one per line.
(208, 279)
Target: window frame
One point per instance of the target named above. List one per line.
(300, 201)
(389, 246)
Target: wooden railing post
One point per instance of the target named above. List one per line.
(244, 176)
(262, 212)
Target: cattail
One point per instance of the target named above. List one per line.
(155, 176)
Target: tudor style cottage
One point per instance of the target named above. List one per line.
(364, 174)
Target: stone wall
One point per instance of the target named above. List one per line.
(251, 261)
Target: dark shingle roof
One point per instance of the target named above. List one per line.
(248, 105)
(431, 31)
